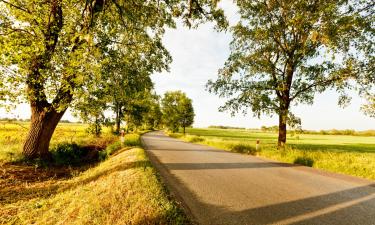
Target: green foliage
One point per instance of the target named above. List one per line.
(177, 110)
(68, 154)
(369, 108)
(57, 53)
(109, 150)
(194, 138)
(131, 140)
(283, 52)
(306, 161)
(243, 148)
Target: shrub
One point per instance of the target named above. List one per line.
(68, 154)
(175, 135)
(109, 150)
(194, 139)
(303, 160)
(243, 148)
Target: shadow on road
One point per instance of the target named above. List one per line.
(354, 205)
(247, 165)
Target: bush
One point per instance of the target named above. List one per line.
(194, 139)
(175, 135)
(109, 150)
(243, 148)
(68, 154)
(305, 161)
(131, 140)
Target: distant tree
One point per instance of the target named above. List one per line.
(283, 52)
(90, 107)
(152, 119)
(177, 110)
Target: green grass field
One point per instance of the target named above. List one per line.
(352, 155)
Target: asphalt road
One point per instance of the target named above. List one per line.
(218, 187)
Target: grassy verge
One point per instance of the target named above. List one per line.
(121, 190)
(351, 155)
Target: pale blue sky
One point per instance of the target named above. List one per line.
(197, 56)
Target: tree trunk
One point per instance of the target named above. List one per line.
(282, 128)
(184, 129)
(118, 119)
(43, 124)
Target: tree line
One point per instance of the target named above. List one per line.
(146, 112)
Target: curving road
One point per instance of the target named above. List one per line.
(218, 187)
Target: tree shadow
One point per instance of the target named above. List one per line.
(46, 188)
(345, 207)
(351, 206)
(220, 166)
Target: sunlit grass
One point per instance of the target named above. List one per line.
(122, 190)
(351, 155)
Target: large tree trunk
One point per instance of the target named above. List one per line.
(283, 115)
(43, 124)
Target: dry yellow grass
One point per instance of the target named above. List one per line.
(121, 190)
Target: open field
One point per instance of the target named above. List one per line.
(352, 155)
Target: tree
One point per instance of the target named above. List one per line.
(283, 52)
(90, 107)
(47, 49)
(177, 110)
(152, 119)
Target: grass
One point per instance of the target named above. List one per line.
(121, 190)
(351, 155)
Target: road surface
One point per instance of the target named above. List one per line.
(218, 187)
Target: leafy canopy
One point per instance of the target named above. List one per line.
(284, 52)
(177, 110)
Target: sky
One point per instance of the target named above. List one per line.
(199, 53)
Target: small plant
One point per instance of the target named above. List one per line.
(243, 148)
(303, 160)
(175, 135)
(68, 154)
(194, 139)
(109, 150)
